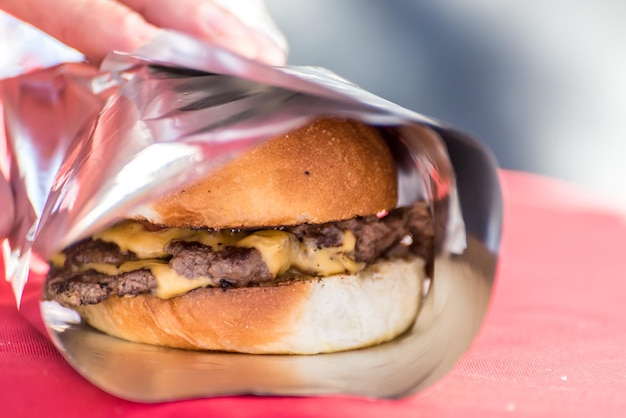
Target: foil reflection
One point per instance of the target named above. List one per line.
(449, 318)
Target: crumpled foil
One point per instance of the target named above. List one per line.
(88, 146)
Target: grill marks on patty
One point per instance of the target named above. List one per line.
(231, 267)
(74, 289)
(402, 232)
(378, 237)
(95, 251)
(236, 265)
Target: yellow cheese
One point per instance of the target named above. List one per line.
(276, 248)
(58, 260)
(133, 236)
(108, 269)
(169, 283)
(280, 250)
(327, 261)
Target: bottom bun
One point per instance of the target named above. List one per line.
(306, 316)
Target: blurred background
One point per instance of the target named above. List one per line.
(542, 82)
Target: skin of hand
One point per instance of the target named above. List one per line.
(97, 27)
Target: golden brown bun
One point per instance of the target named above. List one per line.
(310, 316)
(329, 170)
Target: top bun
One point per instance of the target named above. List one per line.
(329, 170)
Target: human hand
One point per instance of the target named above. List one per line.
(97, 27)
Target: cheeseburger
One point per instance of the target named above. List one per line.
(295, 247)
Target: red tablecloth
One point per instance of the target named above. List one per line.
(554, 342)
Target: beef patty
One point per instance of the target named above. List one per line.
(401, 232)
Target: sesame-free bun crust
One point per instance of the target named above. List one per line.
(329, 170)
(308, 316)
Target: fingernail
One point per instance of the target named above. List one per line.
(242, 46)
(272, 55)
(229, 32)
(136, 25)
(147, 32)
(220, 22)
(269, 52)
(254, 14)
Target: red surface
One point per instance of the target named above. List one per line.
(554, 343)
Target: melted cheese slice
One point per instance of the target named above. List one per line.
(170, 284)
(281, 251)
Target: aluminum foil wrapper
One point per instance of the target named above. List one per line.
(88, 146)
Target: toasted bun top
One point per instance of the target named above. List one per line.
(329, 170)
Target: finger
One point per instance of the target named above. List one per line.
(254, 14)
(207, 20)
(93, 27)
(8, 208)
